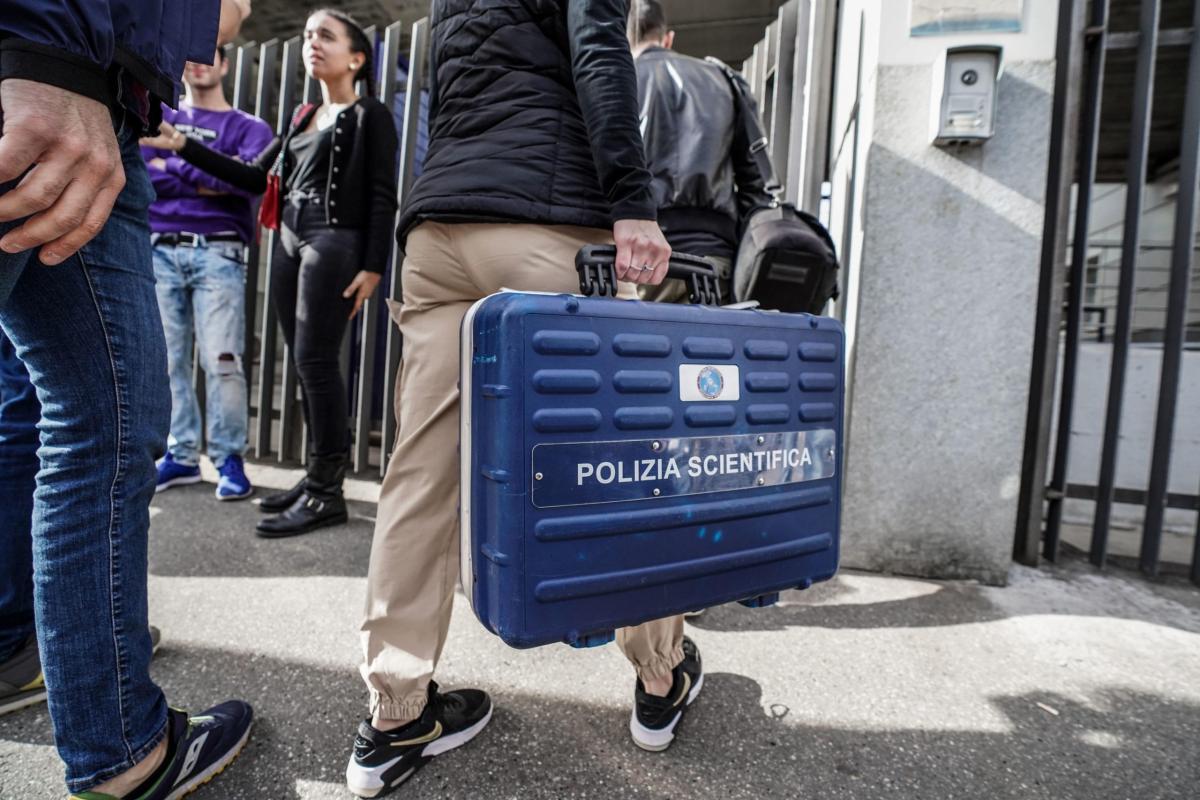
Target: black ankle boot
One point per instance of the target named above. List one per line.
(319, 505)
(282, 501)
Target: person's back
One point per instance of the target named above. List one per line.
(688, 119)
(697, 148)
(520, 114)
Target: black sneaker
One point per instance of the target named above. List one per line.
(198, 749)
(21, 681)
(384, 760)
(655, 719)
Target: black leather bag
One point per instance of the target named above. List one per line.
(786, 259)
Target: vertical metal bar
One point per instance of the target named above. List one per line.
(389, 56)
(769, 76)
(243, 70)
(267, 53)
(800, 83)
(754, 74)
(822, 55)
(270, 321)
(1089, 136)
(1196, 542)
(1182, 255)
(418, 65)
(357, 328)
(785, 83)
(293, 437)
(1135, 181)
(361, 86)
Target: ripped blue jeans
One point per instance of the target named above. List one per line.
(201, 289)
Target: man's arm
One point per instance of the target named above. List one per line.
(233, 14)
(167, 185)
(254, 140)
(606, 84)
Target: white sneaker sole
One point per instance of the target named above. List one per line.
(657, 740)
(215, 769)
(24, 700)
(368, 781)
(183, 480)
(229, 497)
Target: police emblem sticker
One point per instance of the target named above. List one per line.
(709, 382)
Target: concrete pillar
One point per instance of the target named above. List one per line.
(943, 268)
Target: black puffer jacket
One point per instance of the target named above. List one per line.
(533, 116)
(698, 150)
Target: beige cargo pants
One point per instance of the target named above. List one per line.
(414, 557)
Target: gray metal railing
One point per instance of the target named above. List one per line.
(1084, 42)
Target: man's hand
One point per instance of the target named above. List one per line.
(362, 287)
(168, 138)
(67, 144)
(642, 251)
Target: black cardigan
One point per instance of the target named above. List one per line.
(361, 185)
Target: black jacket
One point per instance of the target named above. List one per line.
(361, 185)
(705, 179)
(532, 116)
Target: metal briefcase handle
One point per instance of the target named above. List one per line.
(596, 264)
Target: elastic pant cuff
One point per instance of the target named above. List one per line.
(404, 710)
(191, 459)
(659, 666)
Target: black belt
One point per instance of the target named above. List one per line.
(193, 239)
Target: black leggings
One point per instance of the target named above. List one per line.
(313, 265)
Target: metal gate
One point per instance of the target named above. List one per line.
(1126, 126)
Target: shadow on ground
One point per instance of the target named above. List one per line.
(192, 535)
(935, 604)
(1119, 744)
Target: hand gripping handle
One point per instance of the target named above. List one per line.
(596, 264)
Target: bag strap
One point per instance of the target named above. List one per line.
(301, 115)
(299, 120)
(748, 119)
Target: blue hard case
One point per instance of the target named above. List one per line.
(574, 409)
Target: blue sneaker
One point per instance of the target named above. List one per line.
(199, 747)
(172, 473)
(233, 485)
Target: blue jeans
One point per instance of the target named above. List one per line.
(19, 415)
(88, 333)
(203, 288)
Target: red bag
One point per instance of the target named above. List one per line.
(270, 212)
